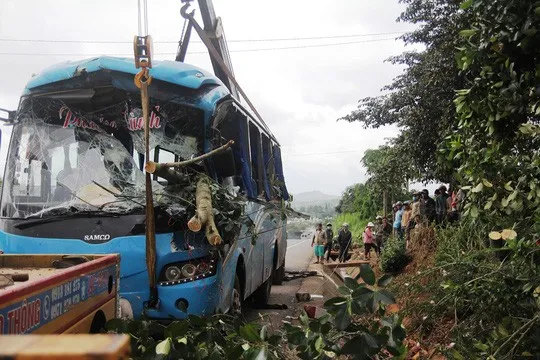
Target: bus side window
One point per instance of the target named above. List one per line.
(256, 158)
(269, 168)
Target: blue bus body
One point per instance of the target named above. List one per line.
(73, 157)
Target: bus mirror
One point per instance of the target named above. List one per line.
(224, 164)
(7, 115)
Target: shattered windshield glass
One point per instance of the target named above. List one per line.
(68, 157)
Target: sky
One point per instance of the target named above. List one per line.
(300, 92)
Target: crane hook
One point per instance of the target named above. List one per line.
(184, 9)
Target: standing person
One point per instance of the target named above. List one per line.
(329, 241)
(441, 204)
(406, 219)
(318, 242)
(429, 206)
(397, 220)
(417, 207)
(344, 240)
(386, 229)
(369, 241)
(378, 233)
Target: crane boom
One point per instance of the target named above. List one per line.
(214, 30)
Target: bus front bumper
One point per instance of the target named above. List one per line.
(200, 297)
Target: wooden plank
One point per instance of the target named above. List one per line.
(351, 263)
(80, 346)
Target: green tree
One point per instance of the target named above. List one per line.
(420, 100)
(390, 171)
(497, 140)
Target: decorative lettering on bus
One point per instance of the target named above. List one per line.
(70, 120)
(135, 123)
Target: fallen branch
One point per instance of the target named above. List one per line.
(204, 215)
(153, 167)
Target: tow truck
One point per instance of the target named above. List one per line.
(53, 294)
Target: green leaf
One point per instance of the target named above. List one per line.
(385, 297)
(264, 332)
(466, 4)
(249, 333)
(508, 186)
(164, 347)
(342, 319)
(335, 301)
(488, 205)
(319, 344)
(354, 346)
(474, 211)
(177, 329)
(467, 33)
(478, 188)
(384, 280)
(487, 183)
(513, 195)
(350, 283)
(367, 274)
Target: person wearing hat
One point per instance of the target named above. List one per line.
(441, 207)
(344, 241)
(429, 207)
(318, 243)
(329, 241)
(369, 241)
(378, 233)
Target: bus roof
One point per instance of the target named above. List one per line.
(173, 72)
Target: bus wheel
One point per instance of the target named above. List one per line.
(236, 305)
(262, 294)
(279, 274)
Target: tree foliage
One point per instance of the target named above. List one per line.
(337, 333)
(419, 101)
(497, 140)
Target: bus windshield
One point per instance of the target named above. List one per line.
(71, 157)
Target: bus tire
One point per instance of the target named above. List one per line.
(279, 274)
(236, 302)
(262, 294)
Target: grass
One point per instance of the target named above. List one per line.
(356, 225)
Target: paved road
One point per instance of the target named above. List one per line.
(299, 255)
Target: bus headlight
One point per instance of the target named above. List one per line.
(173, 273)
(182, 272)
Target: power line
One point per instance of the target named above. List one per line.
(327, 153)
(195, 41)
(204, 52)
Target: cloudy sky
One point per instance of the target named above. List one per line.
(300, 92)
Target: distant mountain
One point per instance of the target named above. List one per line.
(312, 197)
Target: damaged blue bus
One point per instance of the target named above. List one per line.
(74, 183)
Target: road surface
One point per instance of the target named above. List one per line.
(299, 256)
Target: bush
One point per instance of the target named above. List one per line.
(394, 256)
(337, 333)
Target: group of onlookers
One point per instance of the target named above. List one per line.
(422, 211)
(323, 241)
